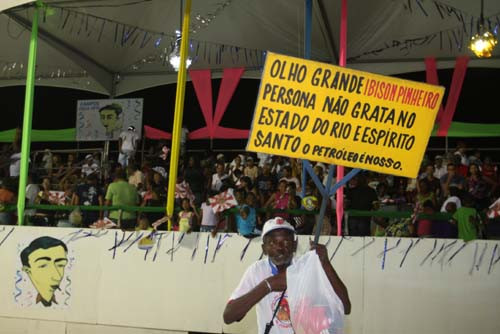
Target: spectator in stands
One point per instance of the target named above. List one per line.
(450, 179)
(439, 168)
(251, 170)
(453, 198)
(246, 221)
(489, 172)
(432, 181)
(462, 153)
(135, 176)
(127, 143)
(279, 200)
(359, 197)
(218, 177)
(89, 167)
(209, 220)
(87, 194)
(194, 176)
(424, 225)
(467, 220)
(67, 170)
(187, 216)
(265, 181)
(425, 193)
(120, 192)
(7, 197)
(288, 177)
(477, 188)
(235, 165)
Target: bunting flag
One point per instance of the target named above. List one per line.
(223, 201)
(494, 210)
(183, 190)
(103, 223)
(56, 197)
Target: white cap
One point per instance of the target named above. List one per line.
(89, 156)
(276, 224)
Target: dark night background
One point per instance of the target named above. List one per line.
(55, 108)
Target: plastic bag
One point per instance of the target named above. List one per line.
(315, 308)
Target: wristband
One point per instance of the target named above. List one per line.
(268, 285)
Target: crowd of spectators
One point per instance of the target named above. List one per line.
(459, 185)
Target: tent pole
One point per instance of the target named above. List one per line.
(179, 110)
(307, 55)
(28, 115)
(342, 62)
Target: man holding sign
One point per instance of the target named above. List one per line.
(265, 283)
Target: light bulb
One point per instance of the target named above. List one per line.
(482, 44)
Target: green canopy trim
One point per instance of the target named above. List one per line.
(459, 129)
(7, 136)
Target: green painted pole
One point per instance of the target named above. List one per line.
(28, 115)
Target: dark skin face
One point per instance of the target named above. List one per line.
(280, 245)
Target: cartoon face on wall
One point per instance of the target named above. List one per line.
(44, 261)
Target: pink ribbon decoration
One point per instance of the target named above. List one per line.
(203, 88)
(152, 133)
(445, 115)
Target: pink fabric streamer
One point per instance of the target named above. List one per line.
(453, 95)
(202, 83)
(152, 133)
(342, 62)
(230, 80)
(431, 77)
(203, 87)
(445, 115)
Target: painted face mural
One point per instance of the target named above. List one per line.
(44, 261)
(110, 118)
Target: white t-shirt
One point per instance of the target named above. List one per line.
(253, 276)
(15, 165)
(208, 216)
(217, 181)
(129, 140)
(88, 169)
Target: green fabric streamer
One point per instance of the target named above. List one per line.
(62, 135)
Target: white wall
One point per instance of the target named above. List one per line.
(134, 293)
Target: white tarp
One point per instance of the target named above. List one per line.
(119, 46)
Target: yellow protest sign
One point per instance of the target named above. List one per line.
(321, 112)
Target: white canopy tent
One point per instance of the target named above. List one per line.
(119, 46)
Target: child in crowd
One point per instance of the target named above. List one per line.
(246, 221)
(186, 216)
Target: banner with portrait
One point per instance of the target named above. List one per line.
(98, 120)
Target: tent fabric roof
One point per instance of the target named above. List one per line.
(119, 46)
